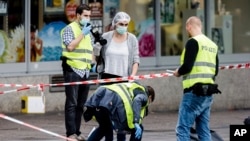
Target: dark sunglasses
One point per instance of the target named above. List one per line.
(121, 24)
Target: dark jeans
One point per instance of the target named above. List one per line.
(105, 128)
(121, 136)
(132, 136)
(76, 96)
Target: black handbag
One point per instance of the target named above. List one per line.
(100, 63)
(247, 121)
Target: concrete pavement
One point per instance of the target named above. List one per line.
(158, 126)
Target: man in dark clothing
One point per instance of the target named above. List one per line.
(76, 64)
(120, 107)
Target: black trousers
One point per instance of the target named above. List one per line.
(76, 96)
(105, 128)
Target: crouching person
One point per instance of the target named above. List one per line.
(120, 107)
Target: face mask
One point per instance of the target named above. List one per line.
(121, 29)
(84, 21)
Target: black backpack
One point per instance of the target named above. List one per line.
(247, 121)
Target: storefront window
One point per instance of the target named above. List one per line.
(233, 18)
(142, 24)
(45, 19)
(171, 26)
(229, 30)
(55, 15)
(173, 16)
(12, 45)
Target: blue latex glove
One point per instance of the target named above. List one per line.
(138, 131)
(86, 29)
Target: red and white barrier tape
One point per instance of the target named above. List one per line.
(97, 81)
(93, 81)
(34, 127)
(41, 88)
(237, 66)
(17, 90)
(17, 85)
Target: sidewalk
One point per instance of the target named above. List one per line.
(158, 126)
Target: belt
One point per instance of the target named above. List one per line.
(199, 89)
(186, 90)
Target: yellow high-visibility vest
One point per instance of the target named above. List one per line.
(204, 67)
(125, 91)
(81, 56)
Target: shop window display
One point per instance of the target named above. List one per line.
(217, 37)
(44, 36)
(110, 8)
(171, 26)
(50, 16)
(3, 7)
(57, 14)
(12, 32)
(96, 14)
(239, 11)
(142, 24)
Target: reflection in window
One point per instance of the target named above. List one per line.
(36, 45)
(239, 10)
(56, 15)
(171, 26)
(142, 24)
(12, 48)
(217, 37)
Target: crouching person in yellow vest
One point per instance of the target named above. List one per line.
(120, 107)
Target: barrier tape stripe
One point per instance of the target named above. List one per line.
(15, 90)
(25, 87)
(113, 79)
(237, 66)
(20, 89)
(34, 127)
(17, 85)
(97, 81)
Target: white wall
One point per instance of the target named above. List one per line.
(234, 85)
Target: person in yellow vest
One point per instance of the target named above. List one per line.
(120, 107)
(76, 63)
(199, 67)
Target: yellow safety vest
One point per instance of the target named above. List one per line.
(204, 67)
(81, 56)
(125, 91)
